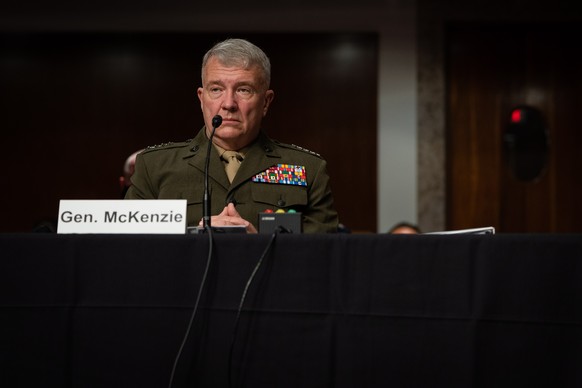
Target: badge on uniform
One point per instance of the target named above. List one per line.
(284, 174)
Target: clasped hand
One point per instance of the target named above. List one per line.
(230, 217)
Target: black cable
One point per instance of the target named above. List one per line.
(206, 218)
(244, 294)
(185, 339)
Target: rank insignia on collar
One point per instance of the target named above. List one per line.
(284, 174)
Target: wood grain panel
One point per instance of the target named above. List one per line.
(490, 70)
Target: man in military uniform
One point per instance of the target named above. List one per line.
(261, 175)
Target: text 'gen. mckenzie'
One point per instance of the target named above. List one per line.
(117, 217)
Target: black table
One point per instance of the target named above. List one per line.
(322, 311)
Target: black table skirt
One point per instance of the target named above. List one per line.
(322, 311)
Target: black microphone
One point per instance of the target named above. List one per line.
(216, 121)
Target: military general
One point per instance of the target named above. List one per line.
(248, 172)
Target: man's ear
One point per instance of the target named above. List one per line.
(199, 92)
(269, 96)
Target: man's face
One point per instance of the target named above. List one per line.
(240, 97)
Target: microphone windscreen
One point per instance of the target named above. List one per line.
(216, 121)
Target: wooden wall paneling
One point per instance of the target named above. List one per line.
(492, 69)
(566, 130)
(473, 155)
(527, 205)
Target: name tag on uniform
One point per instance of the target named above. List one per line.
(122, 216)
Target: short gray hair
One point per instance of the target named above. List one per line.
(240, 52)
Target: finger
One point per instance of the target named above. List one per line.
(251, 228)
(231, 209)
(224, 212)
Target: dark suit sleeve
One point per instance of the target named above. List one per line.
(320, 216)
(141, 185)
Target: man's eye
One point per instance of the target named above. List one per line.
(244, 91)
(215, 90)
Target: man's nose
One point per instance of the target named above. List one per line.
(229, 102)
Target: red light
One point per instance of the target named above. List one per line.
(516, 116)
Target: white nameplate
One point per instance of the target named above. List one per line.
(122, 216)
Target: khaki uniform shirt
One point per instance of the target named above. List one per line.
(176, 171)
